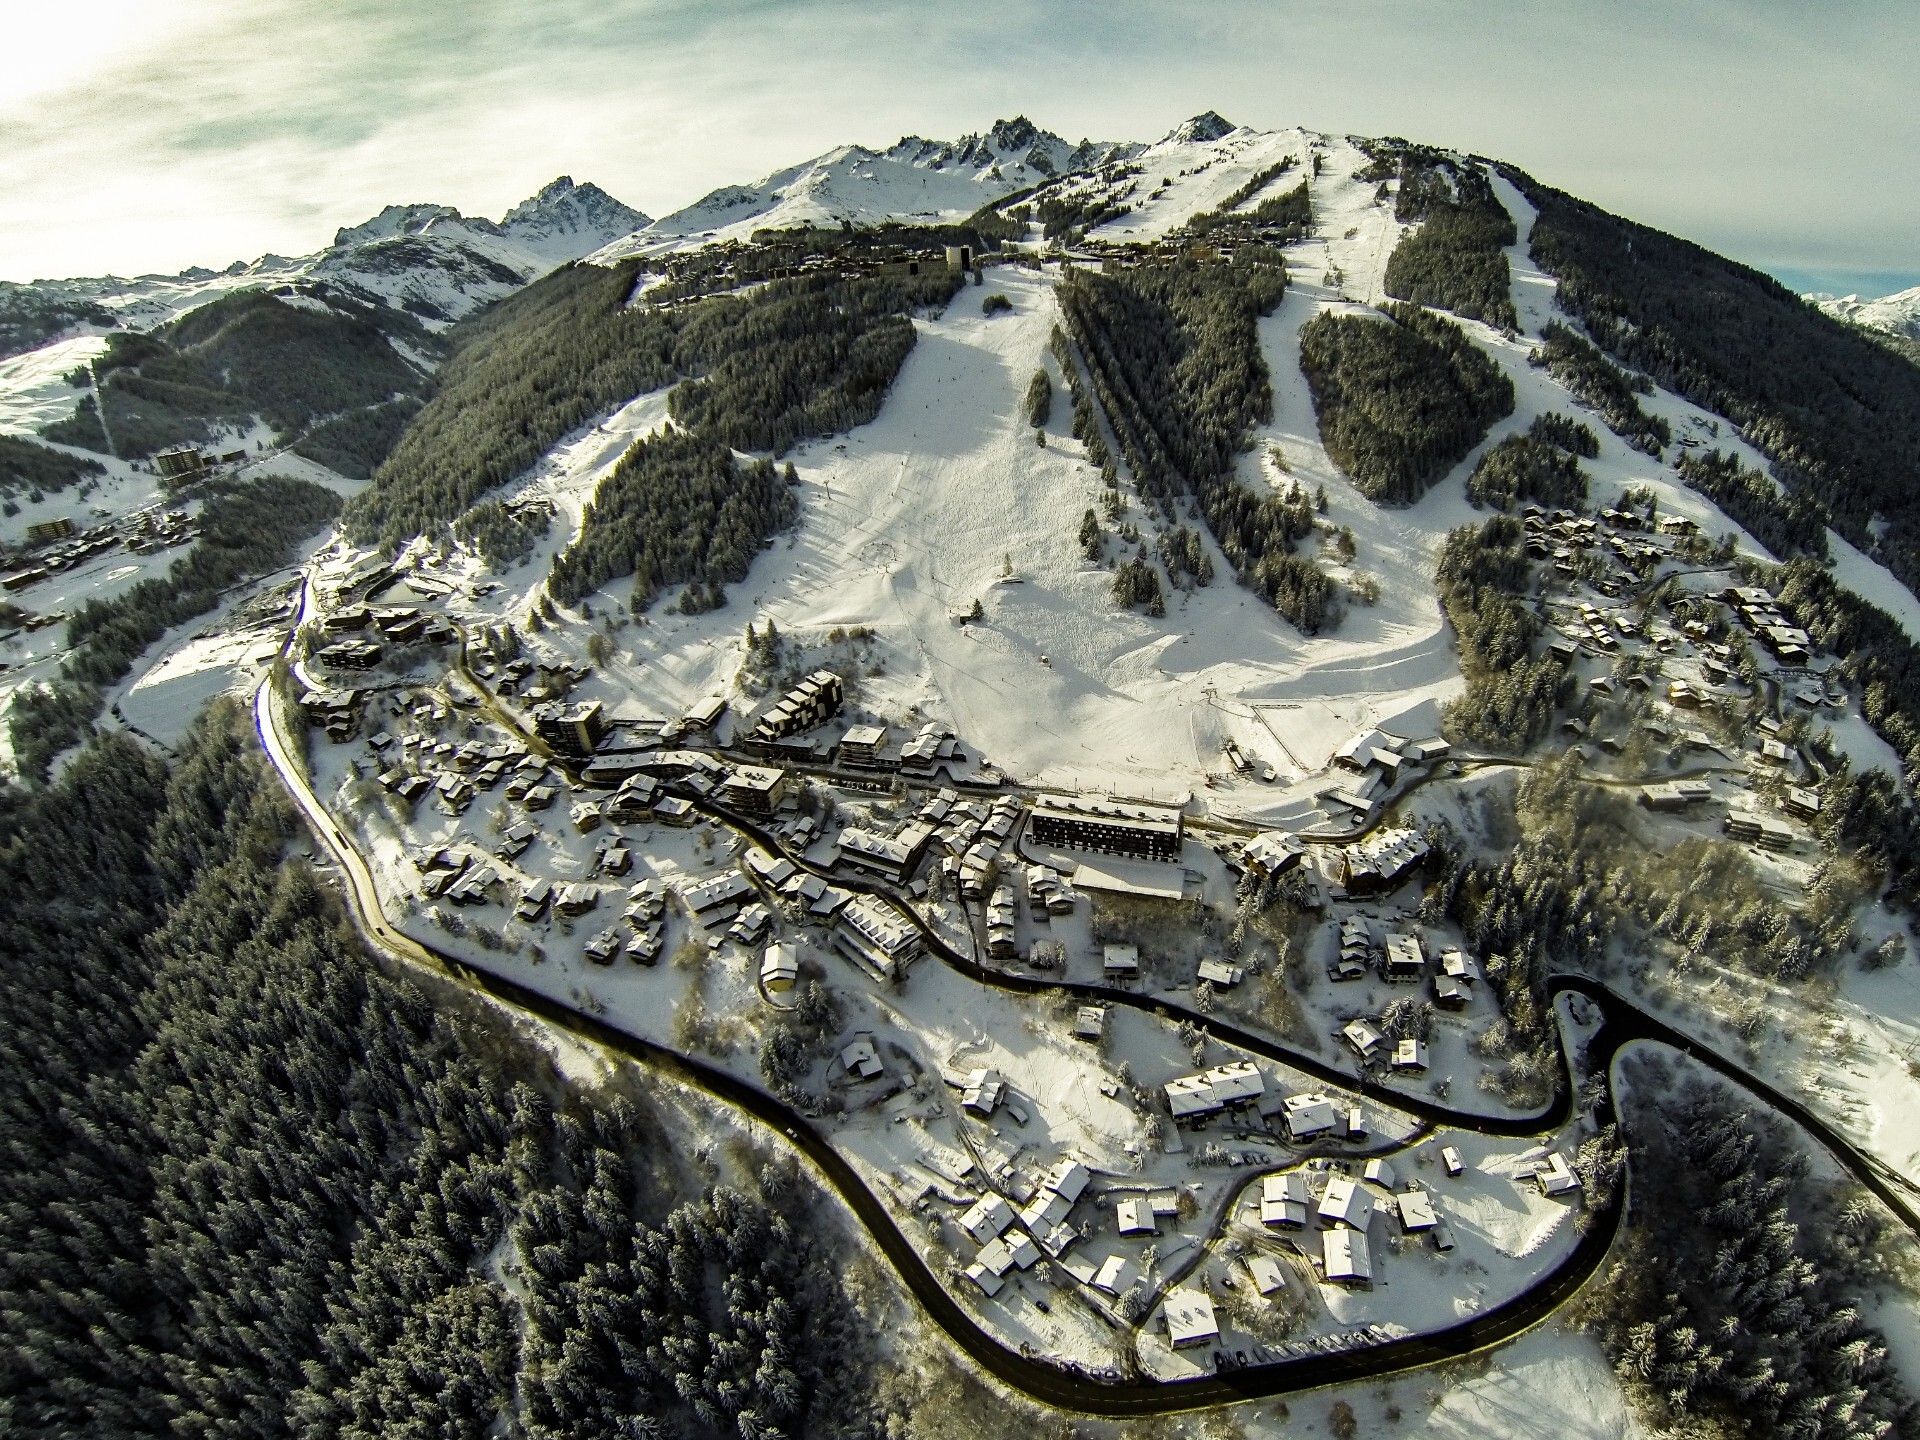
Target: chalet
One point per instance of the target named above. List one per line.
(1363, 1037)
(1219, 974)
(514, 841)
(1406, 961)
(632, 803)
(988, 1217)
(875, 936)
(644, 948)
(982, 1091)
(1001, 942)
(1356, 949)
(603, 947)
(1090, 1023)
(1410, 1054)
(1273, 853)
(1120, 962)
(860, 1060)
(1308, 1116)
(1188, 1311)
(576, 898)
(1345, 1203)
(1416, 1211)
(1115, 1276)
(929, 746)
(534, 900)
(1283, 1200)
(989, 1283)
(1265, 1273)
(585, 816)
(717, 899)
(1555, 1177)
(1451, 994)
(1382, 860)
(1379, 1171)
(891, 857)
(1134, 1216)
(751, 926)
(672, 810)
(1231, 1086)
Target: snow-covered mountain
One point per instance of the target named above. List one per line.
(1897, 314)
(429, 260)
(914, 179)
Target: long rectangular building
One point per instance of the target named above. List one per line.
(1077, 822)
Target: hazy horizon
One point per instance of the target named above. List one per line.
(222, 130)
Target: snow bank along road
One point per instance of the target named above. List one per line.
(1037, 1379)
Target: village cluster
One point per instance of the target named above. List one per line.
(557, 828)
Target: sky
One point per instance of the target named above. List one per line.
(149, 135)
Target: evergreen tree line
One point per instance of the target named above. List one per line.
(677, 509)
(1291, 210)
(355, 443)
(800, 359)
(519, 375)
(1511, 694)
(1399, 402)
(1061, 217)
(1528, 470)
(1735, 1301)
(1456, 260)
(1869, 811)
(26, 466)
(1039, 400)
(503, 537)
(246, 530)
(1136, 585)
(1568, 433)
(1836, 412)
(1787, 522)
(1598, 382)
(1580, 890)
(256, 1187)
(244, 354)
(1174, 355)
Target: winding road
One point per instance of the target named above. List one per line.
(1056, 1385)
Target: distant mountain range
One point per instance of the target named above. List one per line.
(427, 260)
(1897, 314)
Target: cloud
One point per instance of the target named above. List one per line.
(208, 130)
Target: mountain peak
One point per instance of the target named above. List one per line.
(563, 206)
(393, 221)
(1203, 128)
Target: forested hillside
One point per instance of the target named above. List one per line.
(257, 1187)
(796, 359)
(1766, 1338)
(25, 467)
(1400, 401)
(677, 509)
(1837, 412)
(1455, 260)
(246, 530)
(242, 355)
(1174, 354)
(519, 375)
